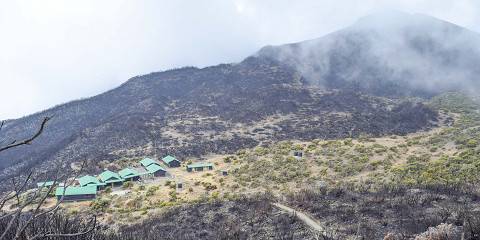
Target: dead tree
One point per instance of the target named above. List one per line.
(27, 207)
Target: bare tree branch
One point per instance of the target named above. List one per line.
(93, 224)
(39, 212)
(30, 206)
(29, 140)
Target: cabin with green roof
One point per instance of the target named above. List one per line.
(171, 161)
(200, 166)
(91, 181)
(148, 161)
(129, 174)
(71, 193)
(156, 170)
(111, 178)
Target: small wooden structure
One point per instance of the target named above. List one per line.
(76, 193)
(171, 161)
(129, 174)
(91, 181)
(111, 178)
(156, 170)
(297, 154)
(147, 162)
(200, 166)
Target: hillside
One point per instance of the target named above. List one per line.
(390, 185)
(371, 132)
(341, 90)
(388, 54)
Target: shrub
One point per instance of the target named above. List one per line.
(209, 186)
(215, 195)
(173, 196)
(152, 190)
(440, 232)
(291, 159)
(228, 159)
(348, 142)
(134, 203)
(472, 143)
(128, 184)
(100, 205)
(261, 151)
(297, 147)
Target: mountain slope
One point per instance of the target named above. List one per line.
(388, 54)
(307, 90)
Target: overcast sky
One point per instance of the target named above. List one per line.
(54, 51)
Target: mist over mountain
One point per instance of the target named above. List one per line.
(390, 54)
(348, 83)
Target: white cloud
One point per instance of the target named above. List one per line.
(53, 51)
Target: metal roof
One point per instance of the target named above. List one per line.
(69, 191)
(168, 159)
(148, 161)
(200, 164)
(45, 184)
(128, 173)
(110, 177)
(89, 180)
(154, 168)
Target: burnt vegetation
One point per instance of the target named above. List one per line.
(400, 212)
(389, 212)
(243, 218)
(191, 112)
(333, 91)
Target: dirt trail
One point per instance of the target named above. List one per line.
(312, 223)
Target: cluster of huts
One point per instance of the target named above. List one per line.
(86, 187)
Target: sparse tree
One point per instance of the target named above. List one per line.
(28, 216)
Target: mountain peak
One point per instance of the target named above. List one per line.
(385, 50)
(394, 19)
(385, 15)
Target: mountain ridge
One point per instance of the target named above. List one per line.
(269, 96)
(422, 55)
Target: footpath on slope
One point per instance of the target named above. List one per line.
(312, 223)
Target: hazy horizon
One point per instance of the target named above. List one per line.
(54, 52)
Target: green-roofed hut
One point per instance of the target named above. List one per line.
(156, 170)
(111, 178)
(171, 161)
(91, 181)
(76, 193)
(200, 166)
(129, 174)
(148, 161)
